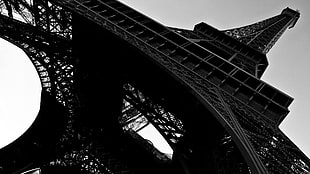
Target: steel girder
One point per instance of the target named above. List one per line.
(247, 59)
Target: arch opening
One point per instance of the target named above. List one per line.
(20, 93)
(149, 122)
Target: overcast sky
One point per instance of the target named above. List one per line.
(20, 90)
(288, 69)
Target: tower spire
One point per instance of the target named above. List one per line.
(263, 35)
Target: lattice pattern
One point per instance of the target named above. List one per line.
(183, 51)
(50, 51)
(222, 48)
(40, 13)
(52, 18)
(51, 56)
(277, 152)
(20, 10)
(167, 124)
(91, 160)
(156, 48)
(263, 35)
(185, 60)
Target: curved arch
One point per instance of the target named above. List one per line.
(50, 56)
(31, 41)
(40, 68)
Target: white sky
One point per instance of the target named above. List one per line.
(20, 91)
(288, 69)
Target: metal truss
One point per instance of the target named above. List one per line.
(44, 31)
(92, 159)
(139, 111)
(151, 38)
(263, 35)
(228, 50)
(48, 17)
(138, 106)
(51, 56)
(276, 151)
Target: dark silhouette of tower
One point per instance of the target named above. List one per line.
(108, 71)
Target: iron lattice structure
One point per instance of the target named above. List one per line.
(264, 34)
(200, 89)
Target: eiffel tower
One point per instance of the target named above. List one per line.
(108, 71)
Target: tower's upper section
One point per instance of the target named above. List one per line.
(245, 47)
(263, 35)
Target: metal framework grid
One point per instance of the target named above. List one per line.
(45, 35)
